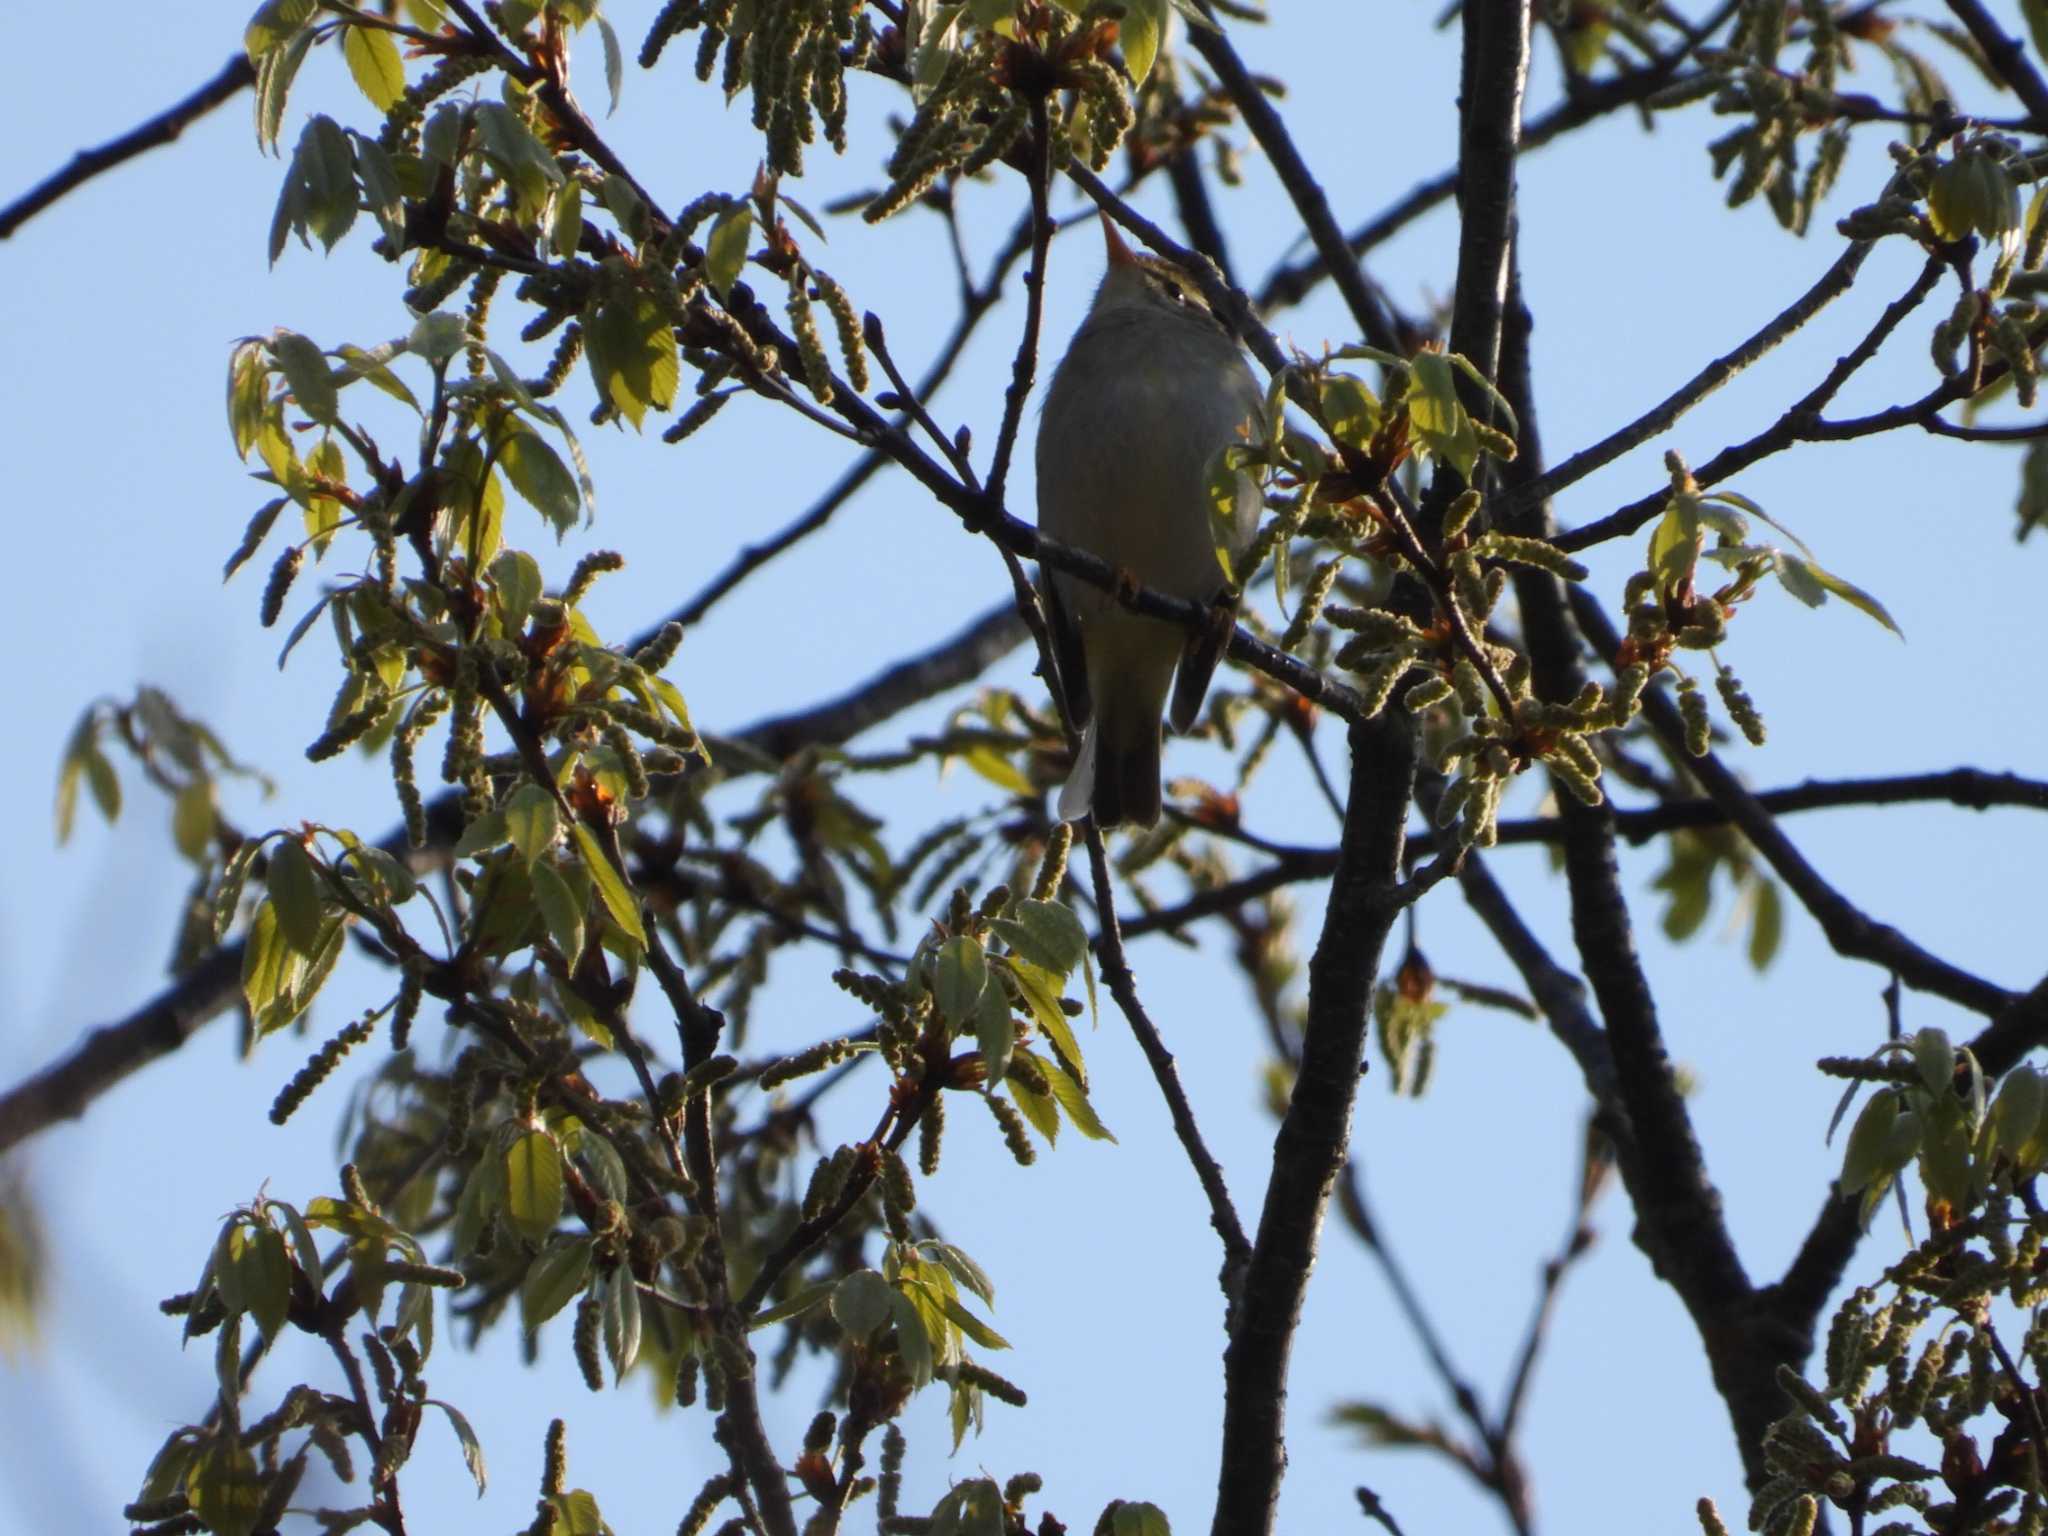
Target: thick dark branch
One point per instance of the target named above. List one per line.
(108, 1054)
(1679, 1223)
(1851, 931)
(235, 76)
(2007, 56)
(1495, 73)
(1123, 986)
(1310, 1149)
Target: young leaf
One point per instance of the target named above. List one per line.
(373, 60)
(553, 1280)
(533, 1185)
(295, 893)
(472, 1448)
(959, 977)
(611, 890)
(725, 249)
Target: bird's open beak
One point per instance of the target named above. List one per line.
(1119, 253)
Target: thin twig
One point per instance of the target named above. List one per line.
(1123, 986)
(1025, 365)
(1849, 929)
(1802, 423)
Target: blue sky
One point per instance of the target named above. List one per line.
(125, 299)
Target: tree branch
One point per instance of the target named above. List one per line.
(1587, 103)
(1679, 1223)
(235, 76)
(64, 1090)
(1123, 986)
(1851, 931)
(1369, 311)
(1310, 1149)
(2007, 57)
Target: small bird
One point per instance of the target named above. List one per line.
(1151, 389)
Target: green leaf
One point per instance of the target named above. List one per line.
(295, 892)
(1142, 29)
(438, 336)
(540, 477)
(192, 821)
(577, 1514)
(485, 833)
(725, 249)
(371, 365)
(517, 155)
(269, 965)
(472, 1448)
(532, 821)
(1137, 1520)
(1046, 933)
(1438, 415)
(167, 1469)
(516, 583)
(1828, 581)
(614, 62)
(307, 1251)
(560, 910)
(319, 966)
(373, 60)
(2036, 13)
(1866, 1154)
(306, 374)
(1073, 1098)
(973, 1508)
(1766, 925)
(1041, 991)
(914, 1343)
(793, 1306)
(622, 1321)
(1040, 1110)
(1223, 483)
(273, 25)
(611, 890)
(1351, 410)
(255, 1275)
(224, 1489)
(275, 72)
(971, 1325)
(632, 352)
(998, 770)
(994, 1030)
(533, 1185)
(963, 1269)
(861, 1302)
(104, 783)
(959, 977)
(553, 1280)
(1466, 366)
